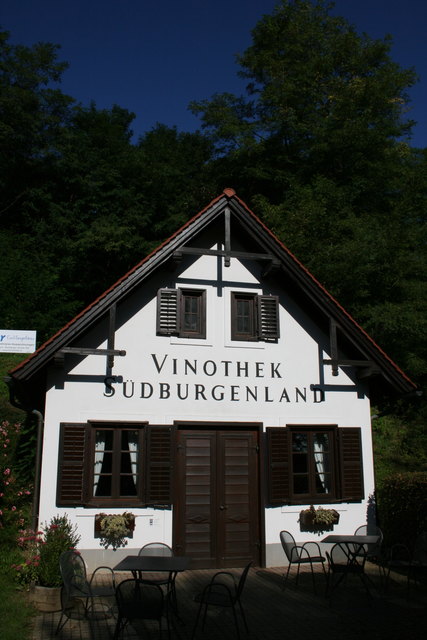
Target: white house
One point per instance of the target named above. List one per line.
(214, 392)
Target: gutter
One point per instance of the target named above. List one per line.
(40, 433)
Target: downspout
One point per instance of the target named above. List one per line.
(37, 472)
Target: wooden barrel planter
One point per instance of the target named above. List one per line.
(46, 599)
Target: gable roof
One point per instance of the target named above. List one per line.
(273, 252)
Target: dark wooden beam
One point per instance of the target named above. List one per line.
(333, 346)
(227, 259)
(196, 251)
(350, 363)
(111, 336)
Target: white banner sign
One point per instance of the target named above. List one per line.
(17, 341)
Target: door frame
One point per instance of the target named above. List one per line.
(199, 425)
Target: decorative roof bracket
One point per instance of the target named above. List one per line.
(110, 352)
(368, 367)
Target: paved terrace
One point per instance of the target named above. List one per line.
(276, 614)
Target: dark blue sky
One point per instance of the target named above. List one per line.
(153, 58)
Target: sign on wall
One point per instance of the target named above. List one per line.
(17, 341)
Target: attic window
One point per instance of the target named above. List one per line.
(254, 317)
(181, 312)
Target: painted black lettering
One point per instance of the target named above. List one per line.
(159, 367)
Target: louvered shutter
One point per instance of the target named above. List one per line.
(167, 312)
(158, 463)
(268, 317)
(351, 464)
(73, 448)
(278, 465)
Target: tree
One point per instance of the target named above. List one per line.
(319, 145)
(32, 112)
(320, 99)
(80, 204)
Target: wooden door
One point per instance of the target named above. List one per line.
(216, 507)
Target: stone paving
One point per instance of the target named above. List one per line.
(274, 613)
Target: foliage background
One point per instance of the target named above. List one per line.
(318, 145)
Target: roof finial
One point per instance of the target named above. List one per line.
(229, 192)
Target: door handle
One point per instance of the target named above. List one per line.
(222, 507)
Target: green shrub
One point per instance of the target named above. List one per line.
(402, 507)
(40, 552)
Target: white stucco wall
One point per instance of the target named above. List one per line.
(281, 375)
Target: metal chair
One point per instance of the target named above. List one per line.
(306, 554)
(138, 601)
(401, 560)
(223, 591)
(342, 563)
(83, 598)
(165, 579)
(372, 551)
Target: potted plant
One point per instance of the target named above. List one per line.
(39, 570)
(318, 520)
(114, 529)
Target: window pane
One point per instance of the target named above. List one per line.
(191, 313)
(115, 472)
(301, 484)
(321, 462)
(299, 442)
(102, 463)
(312, 464)
(300, 463)
(243, 319)
(243, 316)
(129, 463)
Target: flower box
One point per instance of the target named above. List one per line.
(113, 529)
(318, 520)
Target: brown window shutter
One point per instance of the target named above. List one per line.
(268, 317)
(278, 465)
(158, 461)
(351, 467)
(167, 312)
(73, 447)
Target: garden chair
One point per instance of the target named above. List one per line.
(372, 551)
(306, 554)
(223, 591)
(81, 597)
(139, 601)
(401, 560)
(167, 580)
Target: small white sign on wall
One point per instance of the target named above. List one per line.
(17, 341)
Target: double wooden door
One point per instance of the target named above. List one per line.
(216, 507)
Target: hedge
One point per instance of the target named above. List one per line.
(402, 507)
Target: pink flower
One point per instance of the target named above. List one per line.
(14, 508)
(6, 472)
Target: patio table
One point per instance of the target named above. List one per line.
(351, 546)
(172, 565)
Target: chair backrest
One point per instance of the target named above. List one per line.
(288, 544)
(242, 580)
(156, 549)
(73, 571)
(371, 530)
(139, 601)
(340, 555)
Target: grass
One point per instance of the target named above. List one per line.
(16, 612)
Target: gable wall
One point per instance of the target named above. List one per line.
(280, 374)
